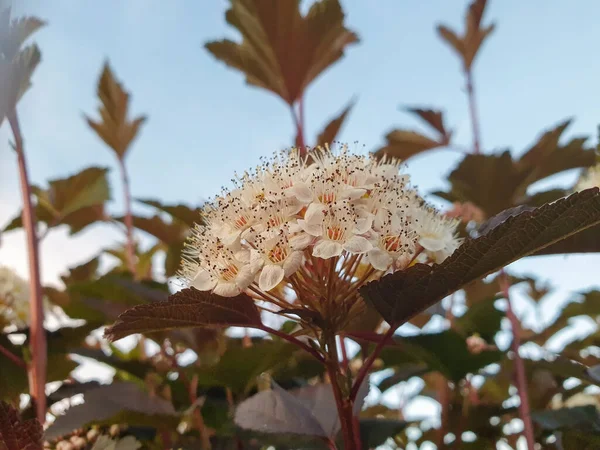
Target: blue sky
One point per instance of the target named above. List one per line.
(540, 66)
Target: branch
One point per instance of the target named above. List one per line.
(364, 370)
(294, 341)
(37, 368)
(474, 113)
(14, 358)
(521, 380)
(130, 253)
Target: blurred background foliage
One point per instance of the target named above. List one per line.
(180, 388)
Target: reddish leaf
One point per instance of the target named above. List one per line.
(281, 50)
(403, 144)
(188, 308)
(183, 213)
(76, 201)
(114, 128)
(435, 119)
(328, 135)
(402, 295)
(467, 45)
(169, 233)
(18, 434)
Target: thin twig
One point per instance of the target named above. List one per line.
(521, 379)
(364, 370)
(294, 341)
(130, 250)
(37, 343)
(474, 113)
(14, 358)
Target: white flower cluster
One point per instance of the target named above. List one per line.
(14, 298)
(589, 179)
(287, 214)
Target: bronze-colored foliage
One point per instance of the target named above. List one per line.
(188, 308)
(401, 295)
(468, 44)
(281, 50)
(16, 433)
(16, 65)
(332, 129)
(114, 127)
(76, 201)
(404, 144)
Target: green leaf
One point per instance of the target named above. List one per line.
(115, 403)
(271, 32)
(330, 132)
(16, 433)
(239, 366)
(445, 352)
(482, 318)
(402, 295)
(126, 443)
(76, 201)
(579, 440)
(114, 128)
(188, 308)
(580, 417)
(374, 432)
(169, 233)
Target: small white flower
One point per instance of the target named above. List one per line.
(435, 231)
(394, 244)
(337, 228)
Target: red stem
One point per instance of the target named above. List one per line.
(521, 379)
(299, 123)
(130, 251)
(37, 342)
(474, 113)
(14, 358)
(364, 370)
(344, 352)
(294, 341)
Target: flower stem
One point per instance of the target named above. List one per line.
(130, 251)
(473, 112)
(299, 123)
(364, 370)
(14, 358)
(521, 379)
(37, 343)
(294, 341)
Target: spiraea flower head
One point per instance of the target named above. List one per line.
(14, 298)
(309, 226)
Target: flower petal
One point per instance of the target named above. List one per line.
(245, 276)
(433, 243)
(327, 249)
(204, 281)
(300, 241)
(301, 191)
(292, 263)
(357, 244)
(271, 276)
(256, 261)
(314, 214)
(312, 229)
(227, 289)
(379, 259)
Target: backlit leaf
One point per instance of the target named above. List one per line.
(434, 119)
(76, 201)
(109, 403)
(468, 44)
(402, 295)
(187, 308)
(272, 32)
(183, 213)
(403, 144)
(16, 433)
(328, 135)
(114, 126)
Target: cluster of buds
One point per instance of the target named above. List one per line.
(319, 229)
(589, 179)
(84, 438)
